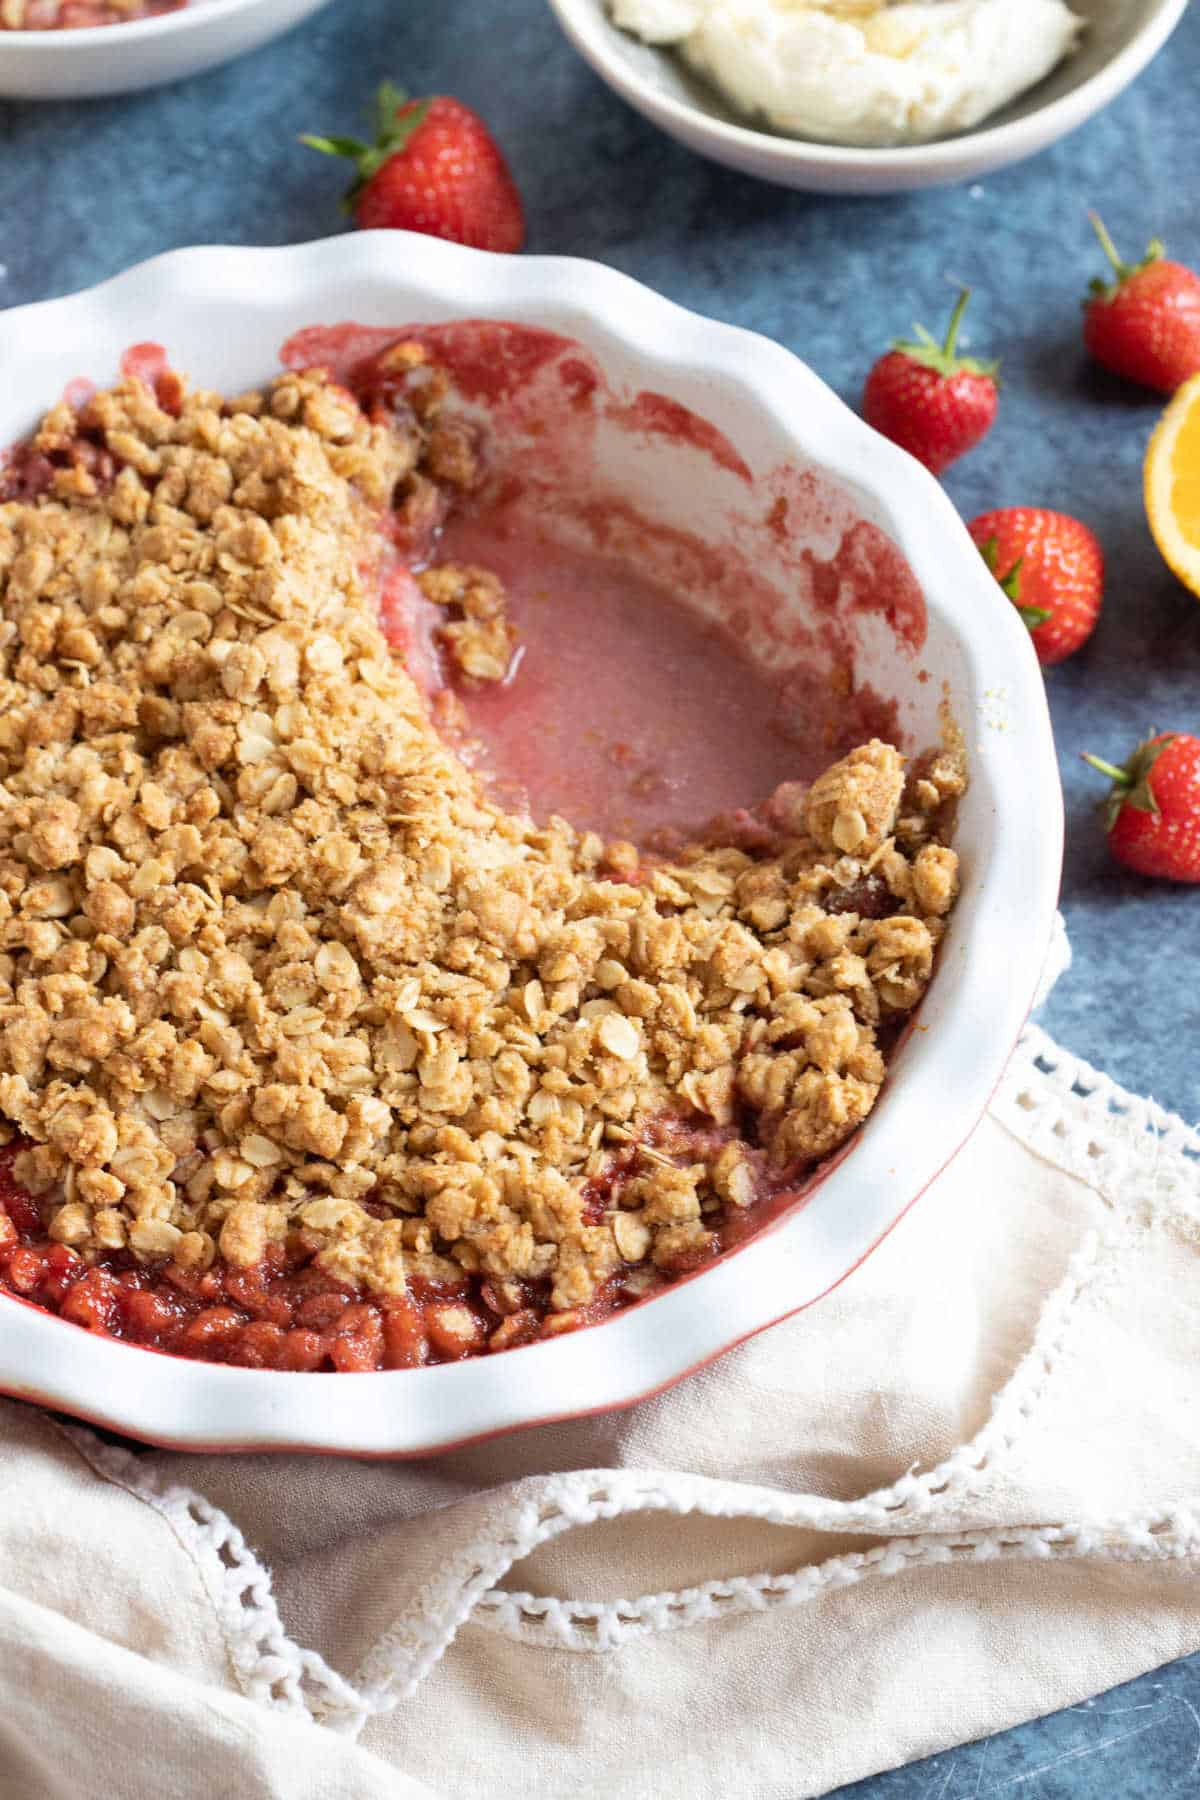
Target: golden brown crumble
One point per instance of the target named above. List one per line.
(480, 638)
(270, 962)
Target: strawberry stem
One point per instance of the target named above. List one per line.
(956, 317)
(336, 146)
(397, 119)
(1120, 269)
(1131, 785)
(1121, 777)
(924, 348)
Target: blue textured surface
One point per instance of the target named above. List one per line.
(85, 190)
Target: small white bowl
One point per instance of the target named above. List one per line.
(1121, 37)
(119, 59)
(223, 315)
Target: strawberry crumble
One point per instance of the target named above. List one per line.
(313, 1053)
(74, 15)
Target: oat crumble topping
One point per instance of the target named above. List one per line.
(272, 967)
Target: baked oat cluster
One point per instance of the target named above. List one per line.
(273, 970)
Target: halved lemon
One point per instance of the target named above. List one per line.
(1172, 484)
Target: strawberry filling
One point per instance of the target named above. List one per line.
(286, 1312)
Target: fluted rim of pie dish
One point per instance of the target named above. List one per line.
(988, 968)
(956, 156)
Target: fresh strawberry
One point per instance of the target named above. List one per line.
(1153, 813)
(1145, 325)
(1052, 569)
(932, 402)
(434, 167)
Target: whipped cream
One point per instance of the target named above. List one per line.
(862, 72)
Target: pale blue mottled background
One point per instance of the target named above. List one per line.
(86, 190)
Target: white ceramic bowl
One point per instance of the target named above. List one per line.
(223, 314)
(1121, 37)
(119, 59)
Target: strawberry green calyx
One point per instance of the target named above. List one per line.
(942, 358)
(1098, 288)
(1010, 584)
(397, 119)
(1131, 780)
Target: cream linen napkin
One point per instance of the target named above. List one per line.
(957, 1493)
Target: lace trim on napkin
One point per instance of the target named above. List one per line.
(1143, 1161)
(1137, 1156)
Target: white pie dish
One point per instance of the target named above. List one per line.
(223, 315)
(1121, 38)
(121, 59)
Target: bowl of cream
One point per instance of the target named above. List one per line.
(867, 96)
